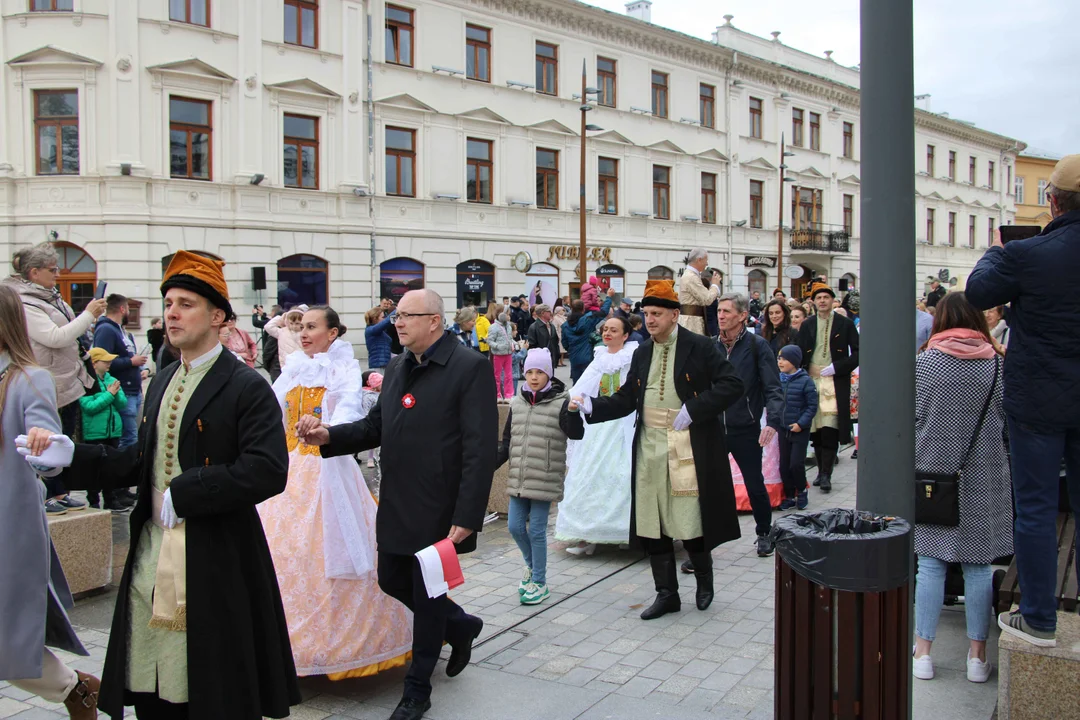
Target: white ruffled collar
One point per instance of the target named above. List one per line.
(609, 362)
(300, 369)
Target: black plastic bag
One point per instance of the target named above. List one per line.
(847, 550)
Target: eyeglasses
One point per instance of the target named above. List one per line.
(54, 269)
(406, 317)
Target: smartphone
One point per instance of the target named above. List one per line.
(1018, 232)
(100, 292)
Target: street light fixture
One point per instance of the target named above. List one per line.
(784, 153)
(586, 91)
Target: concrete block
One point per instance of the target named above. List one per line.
(84, 543)
(1032, 680)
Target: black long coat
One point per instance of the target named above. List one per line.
(844, 352)
(233, 455)
(707, 384)
(438, 425)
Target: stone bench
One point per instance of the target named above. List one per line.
(1037, 683)
(84, 543)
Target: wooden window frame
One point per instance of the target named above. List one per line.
(300, 144)
(708, 199)
(798, 115)
(300, 6)
(660, 92)
(397, 27)
(757, 118)
(545, 202)
(815, 131)
(973, 166)
(601, 76)
(707, 105)
(58, 122)
(661, 190)
(757, 204)
(191, 128)
(849, 140)
(478, 164)
(52, 7)
(542, 61)
(849, 214)
(952, 165)
(187, 14)
(930, 218)
(475, 46)
(604, 182)
(931, 159)
(971, 230)
(991, 182)
(398, 154)
(952, 229)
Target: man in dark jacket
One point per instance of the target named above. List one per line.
(199, 629)
(1042, 394)
(830, 348)
(441, 394)
(679, 385)
(936, 293)
(576, 336)
(271, 363)
(110, 336)
(755, 365)
(542, 333)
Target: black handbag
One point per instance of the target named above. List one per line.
(937, 495)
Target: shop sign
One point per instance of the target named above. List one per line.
(760, 261)
(572, 252)
(609, 271)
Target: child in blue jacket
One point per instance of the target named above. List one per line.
(800, 407)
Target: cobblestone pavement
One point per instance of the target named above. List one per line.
(585, 653)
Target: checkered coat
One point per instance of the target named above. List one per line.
(949, 397)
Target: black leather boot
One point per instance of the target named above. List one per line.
(828, 462)
(703, 573)
(666, 579)
(820, 472)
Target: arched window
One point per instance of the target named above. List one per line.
(78, 275)
(398, 276)
(757, 281)
(661, 272)
(847, 282)
(542, 284)
(302, 279)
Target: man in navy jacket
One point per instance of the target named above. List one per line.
(1042, 389)
(109, 334)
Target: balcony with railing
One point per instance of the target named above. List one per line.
(820, 238)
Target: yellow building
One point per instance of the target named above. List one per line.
(1033, 170)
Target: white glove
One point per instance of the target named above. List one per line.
(57, 455)
(682, 420)
(585, 406)
(829, 371)
(168, 514)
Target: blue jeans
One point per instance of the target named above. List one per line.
(1036, 469)
(532, 541)
(930, 594)
(130, 417)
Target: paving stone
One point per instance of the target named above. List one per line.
(659, 670)
(10, 706)
(721, 681)
(700, 699)
(743, 696)
(679, 685)
(681, 654)
(618, 674)
(624, 647)
(560, 665)
(699, 669)
(579, 676)
(36, 713)
(638, 687)
(601, 660)
(763, 679)
(584, 649)
(640, 658)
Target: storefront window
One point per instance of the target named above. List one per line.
(475, 284)
(302, 279)
(398, 276)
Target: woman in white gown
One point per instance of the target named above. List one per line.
(596, 506)
(321, 530)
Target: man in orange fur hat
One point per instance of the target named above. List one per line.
(199, 629)
(680, 385)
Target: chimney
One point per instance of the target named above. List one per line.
(640, 9)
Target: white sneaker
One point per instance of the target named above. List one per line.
(582, 549)
(923, 667)
(977, 670)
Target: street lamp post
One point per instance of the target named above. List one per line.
(585, 128)
(780, 225)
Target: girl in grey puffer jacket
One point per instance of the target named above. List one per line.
(534, 442)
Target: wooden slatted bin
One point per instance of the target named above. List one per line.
(843, 609)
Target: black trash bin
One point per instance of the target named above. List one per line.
(843, 581)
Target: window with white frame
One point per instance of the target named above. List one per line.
(1018, 190)
(1043, 186)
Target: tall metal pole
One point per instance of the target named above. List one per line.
(780, 223)
(886, 472)
(583, 276)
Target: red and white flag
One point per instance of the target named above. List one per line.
(441, 569)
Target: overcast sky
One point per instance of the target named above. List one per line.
(1008, 67)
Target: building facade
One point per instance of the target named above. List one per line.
(341, 150)
(1033, 171)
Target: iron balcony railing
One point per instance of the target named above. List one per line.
(821, 238)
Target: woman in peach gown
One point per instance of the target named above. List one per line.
(321, 530)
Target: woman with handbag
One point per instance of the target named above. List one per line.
(963, 501)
